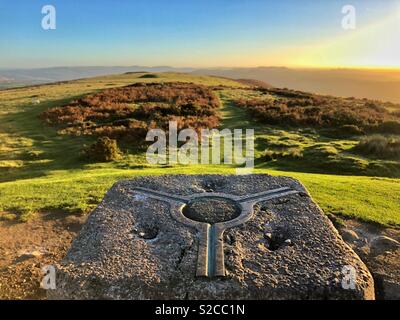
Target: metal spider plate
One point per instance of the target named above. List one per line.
(210, 258)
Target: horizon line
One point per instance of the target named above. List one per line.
(369, 68)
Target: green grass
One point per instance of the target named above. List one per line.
(366, 198)
(41, 170)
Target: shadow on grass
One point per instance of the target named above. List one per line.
(48, 150)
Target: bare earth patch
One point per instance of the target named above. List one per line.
(26, 247)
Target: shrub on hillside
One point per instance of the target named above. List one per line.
(350, 130)
(103, 150)
(345, 131)
(291, 153)
(380, 147)
(346, 116)
(389, 127)
(149, 76)
(129, 112)
(269, 156)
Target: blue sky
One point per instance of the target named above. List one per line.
(192, 33)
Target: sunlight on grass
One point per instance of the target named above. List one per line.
(369, 199)
(41, 170)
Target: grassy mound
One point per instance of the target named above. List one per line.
(379, 147)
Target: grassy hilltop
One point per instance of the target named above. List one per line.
(42, 168)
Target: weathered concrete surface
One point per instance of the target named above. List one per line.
(131, 247)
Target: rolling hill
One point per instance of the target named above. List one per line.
(42, 168)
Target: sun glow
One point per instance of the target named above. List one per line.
(375, 46)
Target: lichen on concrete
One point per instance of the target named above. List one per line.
(132, 248)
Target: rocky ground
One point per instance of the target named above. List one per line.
(26, 247)
(379, 248)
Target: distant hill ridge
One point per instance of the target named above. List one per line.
(371, 84)
(43, 75)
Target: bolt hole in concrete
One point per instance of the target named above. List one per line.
(229, 239)
(276, 241)
(213, 186)
(211, 210)
(148, 233)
